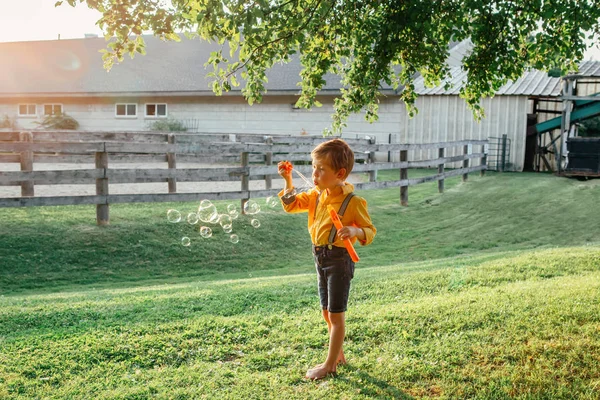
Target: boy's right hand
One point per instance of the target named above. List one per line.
(284, 168)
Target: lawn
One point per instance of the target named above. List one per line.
(490, 290)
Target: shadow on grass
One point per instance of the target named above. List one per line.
(367, 385)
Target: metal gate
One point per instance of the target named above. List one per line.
(499, 154)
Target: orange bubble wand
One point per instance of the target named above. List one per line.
(347, 242)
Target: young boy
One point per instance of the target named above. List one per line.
(332, 162)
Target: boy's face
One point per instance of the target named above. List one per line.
(324, 176)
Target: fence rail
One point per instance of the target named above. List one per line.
(256, 156)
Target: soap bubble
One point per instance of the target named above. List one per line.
(255, 223)
(227, 228)
(173, 216)
(225, 220)
(208, 212)
(251, 207)
(185, 241)
(232, 211)
(192, 218)
(234, 238)
(205, 203)
(272, 201)
(205, 232)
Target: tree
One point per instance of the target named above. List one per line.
(365, 42)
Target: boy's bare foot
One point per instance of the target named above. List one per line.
(319, 372)
(340, 361)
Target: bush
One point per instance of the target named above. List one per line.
(589, 127)
(8, 122)
(58, 121)
(167, 125)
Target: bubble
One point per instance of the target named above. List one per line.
(192, 218)
(251, 207)
(205, 232)
(205, 203)
(255, 223)
(185, 241)
(232, 211)
(208, 213)
(173, 216)
(272, 201)
(225, 220)
(227, 228)
(234, 238)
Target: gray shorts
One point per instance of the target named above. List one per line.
(335, 270)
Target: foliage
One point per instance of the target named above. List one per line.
(364, 42)
(167, 125)
(8, 122)
(590, 127)
(58, 121)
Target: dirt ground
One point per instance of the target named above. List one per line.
(136, 188)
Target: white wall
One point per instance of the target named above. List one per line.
(440, 119)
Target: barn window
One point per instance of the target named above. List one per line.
(156, 110)
(52, 109)
(126, 110)
(27, 110)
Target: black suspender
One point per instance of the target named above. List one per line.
(341, 212)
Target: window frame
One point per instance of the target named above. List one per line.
(35, 111)
(126, 116)
(156, 108)
(62, 108)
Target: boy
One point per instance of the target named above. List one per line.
(332, 162)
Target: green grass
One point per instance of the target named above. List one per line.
(491, 290)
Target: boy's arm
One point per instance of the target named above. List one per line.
(292, 202)
(366, 229)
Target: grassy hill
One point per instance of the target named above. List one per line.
(491, 290)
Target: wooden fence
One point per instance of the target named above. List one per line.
(256, 156)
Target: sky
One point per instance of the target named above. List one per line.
(25, 20)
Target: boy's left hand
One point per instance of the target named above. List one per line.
(349, 232)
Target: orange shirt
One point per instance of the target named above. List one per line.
(319, 222)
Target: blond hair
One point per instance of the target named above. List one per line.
(337, 153)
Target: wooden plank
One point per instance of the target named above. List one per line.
(102, 210)
(27, 187)
(424, 146)
(76, 148)
(11, 158)
(50, 201)
(51, 177)
(9, 136)
(182, 174)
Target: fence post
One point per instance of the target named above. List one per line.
(245, 180)
(465, 162)
(504, 137)
(27, 189)
(373, 173)
(403, 176)
(172, 164)
(102, 211)
(268, 161)
(441, 170)
(483, 160)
